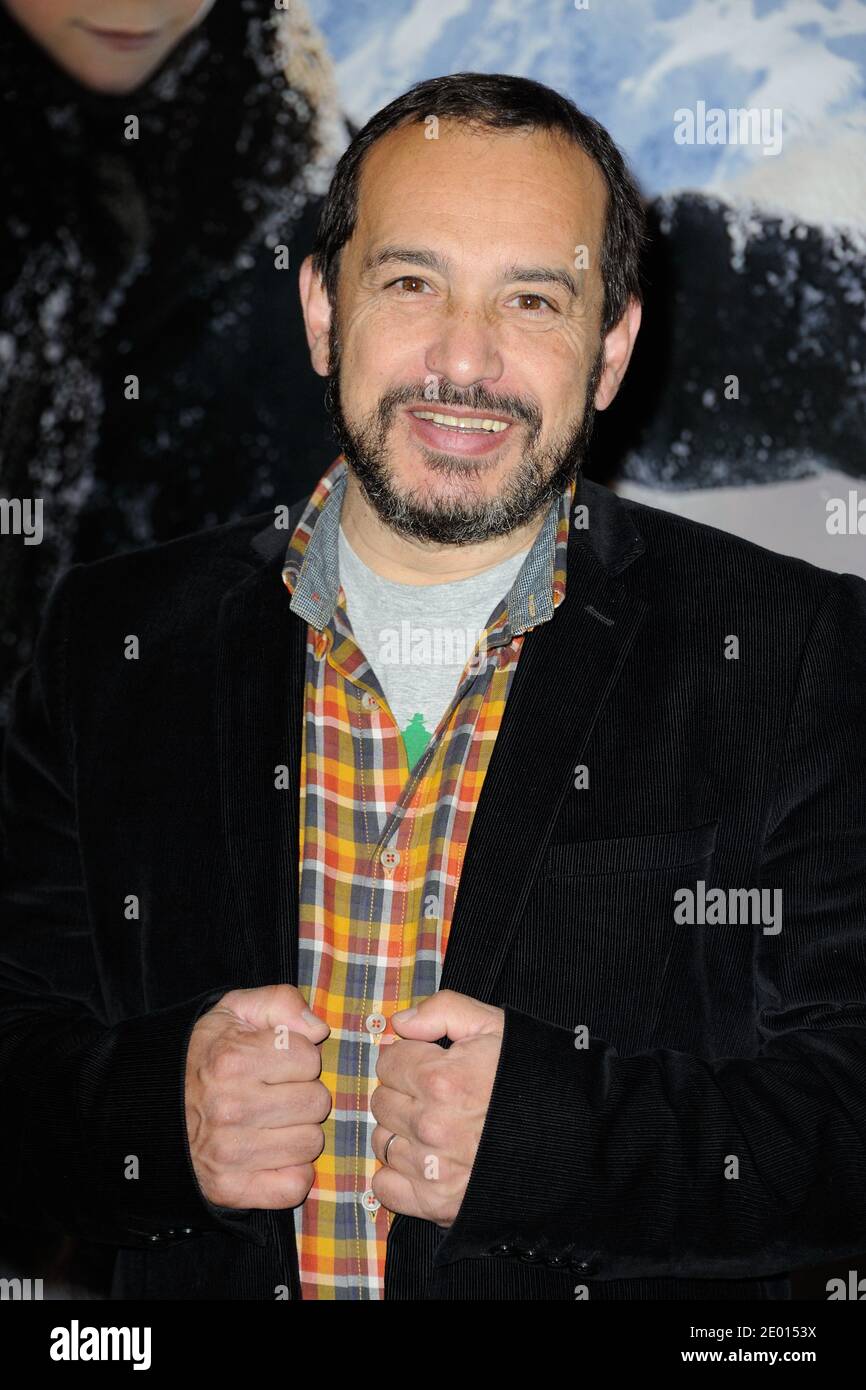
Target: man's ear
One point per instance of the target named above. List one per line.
(317, 315)
(618, 347)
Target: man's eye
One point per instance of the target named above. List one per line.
(408, 280)
(538, 304)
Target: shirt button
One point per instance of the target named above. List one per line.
(369, 1200)
(369, 701)
(389, 859)
(375, 1023)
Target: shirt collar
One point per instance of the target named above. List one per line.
(311, 567)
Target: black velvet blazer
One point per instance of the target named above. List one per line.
(708, 1139)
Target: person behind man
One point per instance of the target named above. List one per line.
(161, 166)
(260, 802)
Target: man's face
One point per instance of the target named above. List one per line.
(110, 46)
(461, 295)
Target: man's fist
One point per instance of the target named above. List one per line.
(434, 1101)
(254, 1103)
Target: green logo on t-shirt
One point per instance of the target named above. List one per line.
(415, 738)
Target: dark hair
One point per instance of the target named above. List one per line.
(497, 101)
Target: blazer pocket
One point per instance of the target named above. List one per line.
(632, 854)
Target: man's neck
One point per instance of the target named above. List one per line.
(406, 561)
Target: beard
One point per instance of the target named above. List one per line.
(539, 477)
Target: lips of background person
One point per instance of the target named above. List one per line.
(110, 48)
(122, 40)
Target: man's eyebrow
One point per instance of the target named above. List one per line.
(545, 275)
(415, 255)
(431, 260)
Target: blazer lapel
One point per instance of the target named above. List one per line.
(259, 705)
(567, 670)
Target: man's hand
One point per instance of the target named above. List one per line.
(254, 1104)
(435, 1101)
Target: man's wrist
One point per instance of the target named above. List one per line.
(133, 1114)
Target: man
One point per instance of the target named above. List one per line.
(610, 855)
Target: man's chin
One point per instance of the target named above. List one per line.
(448, 498)
(449, 475)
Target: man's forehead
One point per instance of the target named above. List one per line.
(538, 174)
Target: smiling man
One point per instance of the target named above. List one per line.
(343, 959)
(508, 346)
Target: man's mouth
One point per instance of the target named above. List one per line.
(471, 435)
(465, 423)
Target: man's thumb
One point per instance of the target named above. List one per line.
(446, 1014)
(274, 1006)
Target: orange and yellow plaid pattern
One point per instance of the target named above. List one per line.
(381, 850)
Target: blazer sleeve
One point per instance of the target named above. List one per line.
(95, 1139)
(622, 1166)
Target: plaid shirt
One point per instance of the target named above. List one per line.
(381, 849)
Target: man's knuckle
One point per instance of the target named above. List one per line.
(226, 1064)
(430, 1128)
(298, 1181)
(227, 1111)
(223, 1147)
(228, 1193)
(439, 1083)
(306, 1058)
(321, 1106)
(316, 1142)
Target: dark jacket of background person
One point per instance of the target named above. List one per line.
(608, 1166)
(784, 302)
(155, 257)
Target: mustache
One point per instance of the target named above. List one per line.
(474, 398)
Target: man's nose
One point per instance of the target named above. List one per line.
(465, 350)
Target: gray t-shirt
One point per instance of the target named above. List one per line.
(419, 637)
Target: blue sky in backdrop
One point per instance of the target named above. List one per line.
(632, 63)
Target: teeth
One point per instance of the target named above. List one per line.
(461, 422)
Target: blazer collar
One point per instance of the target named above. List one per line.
(610, 531)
